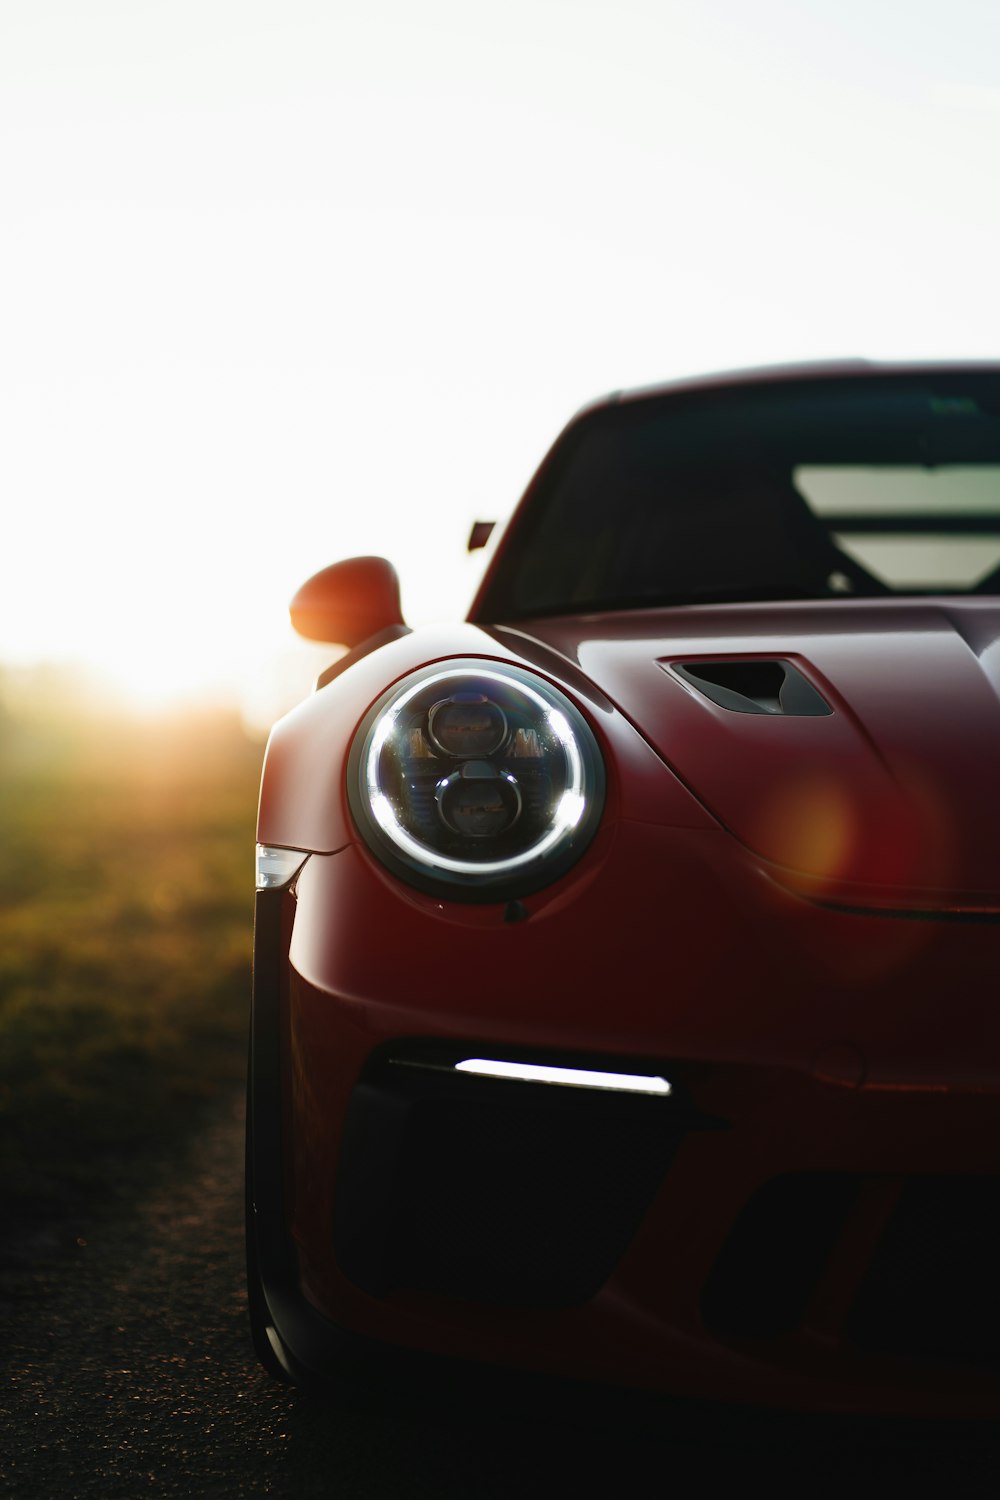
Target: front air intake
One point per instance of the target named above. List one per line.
(499, 1189)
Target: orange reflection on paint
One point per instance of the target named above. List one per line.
(934, 813)
(810, 824)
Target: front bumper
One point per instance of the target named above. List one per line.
(809, 1221)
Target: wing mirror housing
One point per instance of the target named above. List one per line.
(480, 534)
(348, 602)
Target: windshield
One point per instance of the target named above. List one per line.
(831, 489)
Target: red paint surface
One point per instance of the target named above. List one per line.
(706, 928)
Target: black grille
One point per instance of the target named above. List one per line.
(771, 1262)
(500, 1192)
(933, 1286)
(927, 1285)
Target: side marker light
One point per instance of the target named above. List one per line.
(275, 867)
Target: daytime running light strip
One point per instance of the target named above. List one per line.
(580, 1078)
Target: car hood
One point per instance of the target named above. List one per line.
(889, 798)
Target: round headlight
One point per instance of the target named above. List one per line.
(477, 776)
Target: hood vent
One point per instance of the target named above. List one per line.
(758, 686)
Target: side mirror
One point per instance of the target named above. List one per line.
(348, 602)
(480, 534)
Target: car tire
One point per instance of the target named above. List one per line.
(256, 1305)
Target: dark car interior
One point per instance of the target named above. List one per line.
(869, 487)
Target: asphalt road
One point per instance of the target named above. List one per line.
(130, 1373)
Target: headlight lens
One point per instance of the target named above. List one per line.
(477, 776)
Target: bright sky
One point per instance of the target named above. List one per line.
(283, 281)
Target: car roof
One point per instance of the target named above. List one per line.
(809, 370)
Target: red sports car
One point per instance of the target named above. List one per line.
(626, 993)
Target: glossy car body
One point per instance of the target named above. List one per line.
(787, 907)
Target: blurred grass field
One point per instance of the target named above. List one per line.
(126, 906)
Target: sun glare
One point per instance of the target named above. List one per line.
(269, 308)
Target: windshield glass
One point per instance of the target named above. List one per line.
(823, 490)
